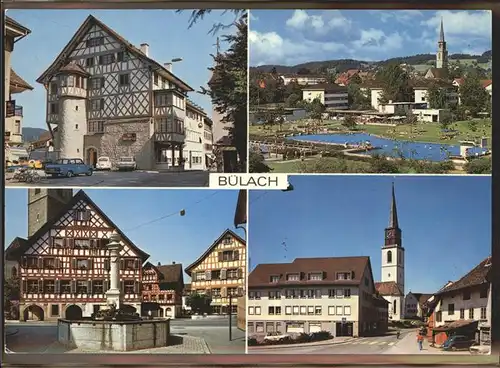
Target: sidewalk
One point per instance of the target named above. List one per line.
(334, 341)
(408, 345)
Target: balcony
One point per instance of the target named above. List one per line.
(168, 131)
(18, 111)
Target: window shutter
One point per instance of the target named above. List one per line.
(240, 291)
(136, 264)
(102, 82)
(223, 292)
(223, 274)
(90, 263)
(106, 265)
(220, 256)
(136, 287)
(73, 263)
(24, 261)
(71, 242)
(324, 275)
(57, 263)
(236, 255)
(57, 287)
(122, 264)
(105, 286)
(240, 273)
(89, 287)
(40, 262)
(73, 287)
(352, 275)
(24, 286)
(208, 275)
(122, 286)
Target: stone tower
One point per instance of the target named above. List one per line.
(442, 53)
(393, 266)
(72, 120)
(44, 204)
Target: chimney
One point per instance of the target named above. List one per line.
(145, 49)
(168, 66)
(173, 262)
(159, 264)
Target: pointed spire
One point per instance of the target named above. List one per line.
(441, 32)
(393, 217)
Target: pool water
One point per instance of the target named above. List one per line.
(393, 148)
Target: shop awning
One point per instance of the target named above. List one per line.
(462, 324)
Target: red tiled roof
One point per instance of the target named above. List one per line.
(329, 267)
(438, 72)
(73, 67)
(388, 288)
(327, 87)
(16, 80)
(479, 275)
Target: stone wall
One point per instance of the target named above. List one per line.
(114, 336)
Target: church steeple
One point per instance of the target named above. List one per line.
(442, 53)
(393, 232)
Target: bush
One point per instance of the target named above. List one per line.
(252, 341)
(321, 335)
(478, 166)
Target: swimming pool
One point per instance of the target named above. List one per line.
(393, 148)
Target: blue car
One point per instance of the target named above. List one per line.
(68, 167)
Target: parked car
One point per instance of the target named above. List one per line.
(103, 163)
(480, 350)
(276, 337)
(126, 163)
(458, 342)
(68, 167)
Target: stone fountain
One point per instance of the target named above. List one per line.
(114, 328)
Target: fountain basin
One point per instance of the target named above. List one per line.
(113, 335)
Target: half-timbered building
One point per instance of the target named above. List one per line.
(162, 287)
(110, 98)
(220, 272)
(64, 265)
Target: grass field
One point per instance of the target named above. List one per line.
(422, 132)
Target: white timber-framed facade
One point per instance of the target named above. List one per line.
(63, 267)
(109, 98)
(220, 272)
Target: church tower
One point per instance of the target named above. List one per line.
(393, 267)
(44, 204)
(442, 53)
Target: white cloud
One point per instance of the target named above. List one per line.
(402, 16)
(375, 40)
(463, 23)
(271, 48)
(321, 24)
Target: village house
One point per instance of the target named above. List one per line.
(13, 83)
(309, 295)
(208, 143)
(464, 306)
(303, 79)
(110, 98)
(185, 294)
(415, 305)
(220, 272)
(63, 265)
(162, 288)
(194, 150)
(331, 95)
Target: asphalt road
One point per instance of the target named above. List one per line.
(37, 337)
(125, 179)
(362, 345)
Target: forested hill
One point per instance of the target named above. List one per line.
(345, 64)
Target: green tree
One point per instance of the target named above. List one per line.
(395, 84)
(446, 120)
(292, 100)
(11, 291)
(199, 303)
(257, 163)
(356, 79)
(473, 96)
(478, 166)
(228, 85)
(357, 99)
(349, 122)
(436, 97)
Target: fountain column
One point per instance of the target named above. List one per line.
(114, 294)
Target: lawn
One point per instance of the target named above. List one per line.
(320, 165)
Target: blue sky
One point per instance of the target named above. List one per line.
(165, 31)
(177, 238)
(291, 37)
(445, 221)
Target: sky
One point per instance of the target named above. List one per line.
(291, 37)
(165, 31)
(181, 239)
(445, 223)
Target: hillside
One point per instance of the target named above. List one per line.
(32, 134)
(342, 65)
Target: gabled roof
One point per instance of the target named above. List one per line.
(328, 266)
(168, 274)
(73, 67)
(388, 288)
(327, 87)
(17, 81)
(15, 248)
(438, 72)
(9, 22)
(189, 268)
(421, 298)
(479, 275)
(89, 22)
(23, 245)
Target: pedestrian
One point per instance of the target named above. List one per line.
(420, 341)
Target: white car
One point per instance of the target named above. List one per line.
(276, 337)
(126, 164)
(103, 163)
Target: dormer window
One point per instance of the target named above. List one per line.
(275, 278)
(315, 276)
(344, 276)
(227, 240)
(293, 277)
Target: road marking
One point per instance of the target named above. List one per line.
(382, 342)
(391, 343)
(374, 342)
(365, 342)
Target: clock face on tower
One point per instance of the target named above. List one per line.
(390, 233)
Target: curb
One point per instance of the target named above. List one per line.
(287, 346)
